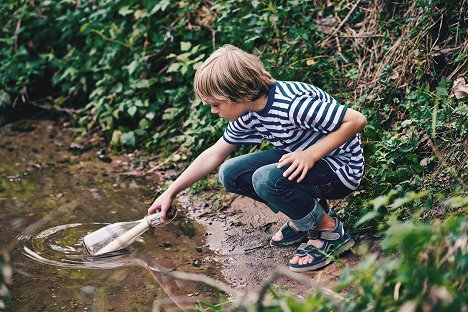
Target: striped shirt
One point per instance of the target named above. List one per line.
(296, 116)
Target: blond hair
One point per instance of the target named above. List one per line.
(232, 75)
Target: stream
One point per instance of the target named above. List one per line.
(53, 191)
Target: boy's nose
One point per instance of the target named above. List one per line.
(214, 110)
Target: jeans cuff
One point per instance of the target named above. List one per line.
(311, 220)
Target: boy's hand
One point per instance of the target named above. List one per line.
(301, 163)
(162, 203)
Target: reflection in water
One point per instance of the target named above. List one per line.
(62, 246)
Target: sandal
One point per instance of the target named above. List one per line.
(334, 242)
(291, 236)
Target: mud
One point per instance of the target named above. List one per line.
(240, 234)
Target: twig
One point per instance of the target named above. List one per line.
(205, 279)
(17, 30)
(110, 39)
(357, 36)
(346, 17)
(164, 162)
(159, 303)
(254, 248)
(436, 152)
(335, 298)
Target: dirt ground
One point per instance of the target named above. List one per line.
(240, 234)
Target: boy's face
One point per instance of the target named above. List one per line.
(229, 111)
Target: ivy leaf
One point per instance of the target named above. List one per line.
(132, 110)
(132, 66)
(125, 11)
(185, 46)
(128, 139)
(161, 6)
(173, 68)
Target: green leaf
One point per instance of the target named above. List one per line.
(144, 123)
(382, 201)
(442, 92)
(141, 84)
(409, 197)
(125, 11)
(160, 6)
(116, 134)
(174, 67)
(150, 115)
(185, 46)
(132, 66)
(368, 216)
(84, 27)
(5, 99)
(132, 110)
(128, 139)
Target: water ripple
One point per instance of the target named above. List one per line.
(62, 246)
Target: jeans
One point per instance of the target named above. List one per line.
(256, 175)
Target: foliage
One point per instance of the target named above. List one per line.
(437, 283)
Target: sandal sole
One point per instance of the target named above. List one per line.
(304, 268)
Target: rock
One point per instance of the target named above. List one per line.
(88, 290)
(105, 158)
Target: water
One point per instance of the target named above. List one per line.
(62, 246)
(50, 199)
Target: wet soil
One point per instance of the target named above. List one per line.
(50, 176)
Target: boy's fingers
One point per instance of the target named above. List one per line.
(289, 170)
(283, 162)
(304, 173)
(295, 173)
(284, 157)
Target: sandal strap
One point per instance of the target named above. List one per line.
(288, 231)
(308, 250)
(286, 226)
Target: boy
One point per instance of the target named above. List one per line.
(318, 152)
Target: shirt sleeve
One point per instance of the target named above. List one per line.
(317, 110)
(241, 131)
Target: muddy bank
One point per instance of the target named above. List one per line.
(239, 234)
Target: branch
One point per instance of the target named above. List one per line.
(204, 279)
(346, 17)
(357, 36)
(335, 298)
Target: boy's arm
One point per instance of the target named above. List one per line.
(302, 162)
(205, 163)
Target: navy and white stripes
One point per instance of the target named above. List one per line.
(295, 117)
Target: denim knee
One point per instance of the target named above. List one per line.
(265, 180)
(227, 174)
